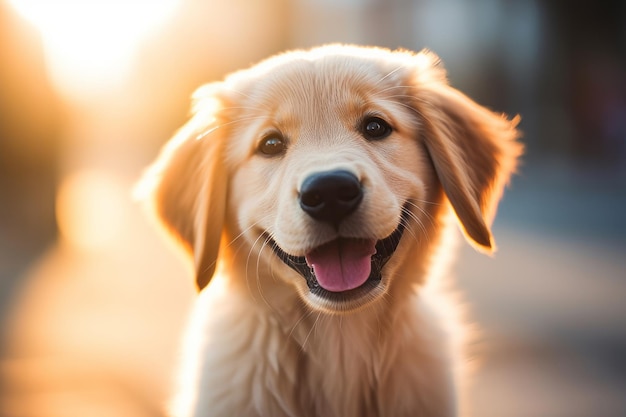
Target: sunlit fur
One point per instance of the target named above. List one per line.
(259, 343)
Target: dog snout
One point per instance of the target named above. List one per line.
(330, 196)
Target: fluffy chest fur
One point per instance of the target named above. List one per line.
(251, 362)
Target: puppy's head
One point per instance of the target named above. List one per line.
(330, 167)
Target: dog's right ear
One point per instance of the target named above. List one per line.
(186, 186)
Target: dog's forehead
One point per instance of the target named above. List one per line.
(333, 79)
(331, 87)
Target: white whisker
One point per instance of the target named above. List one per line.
(247, 267)
(214, 128)
(389, 74)
(258, 280)
(313, 326)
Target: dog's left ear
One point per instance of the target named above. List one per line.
(187, 184)
(474, 152)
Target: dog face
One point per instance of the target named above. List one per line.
(330, 169)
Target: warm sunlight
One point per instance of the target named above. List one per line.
(90, 208)
(90, 44)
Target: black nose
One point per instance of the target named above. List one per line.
(330, 196)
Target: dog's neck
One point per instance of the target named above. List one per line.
(359, 356)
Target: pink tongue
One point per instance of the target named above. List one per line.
(343, 264)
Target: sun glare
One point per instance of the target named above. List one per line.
(90, 44)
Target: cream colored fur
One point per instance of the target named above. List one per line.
(259, 342)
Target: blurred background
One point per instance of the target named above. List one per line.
(92, 300)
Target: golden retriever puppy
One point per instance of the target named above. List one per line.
(314, 192)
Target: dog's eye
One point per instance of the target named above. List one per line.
(272, 145)
(375, 128)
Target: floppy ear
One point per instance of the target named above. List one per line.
(474, 152)
(187, 184)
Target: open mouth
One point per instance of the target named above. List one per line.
(345, 268)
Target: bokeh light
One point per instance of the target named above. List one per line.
(90, 208)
